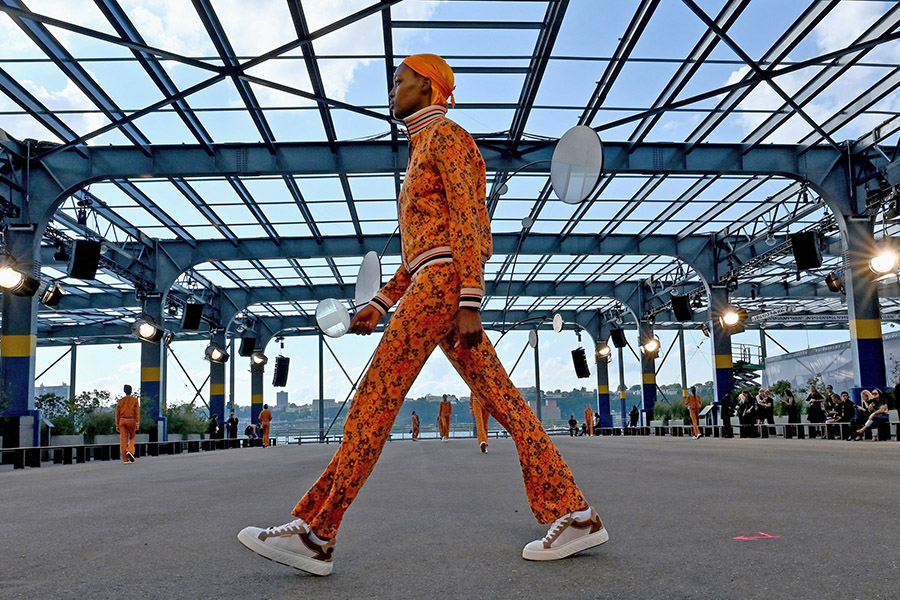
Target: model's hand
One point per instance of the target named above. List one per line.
(468, 328)
(365, 320)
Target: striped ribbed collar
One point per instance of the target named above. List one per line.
(421, 119)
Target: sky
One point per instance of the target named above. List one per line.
(591, 28)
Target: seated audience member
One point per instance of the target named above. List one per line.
(877, 413)
(573, 426)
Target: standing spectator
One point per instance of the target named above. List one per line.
(633, 415)
(232, 425)
(727, 413)
(573, 426)
(213, 429)
(816, 411)
(692, 402)
(791, 408)
(589, 420)
(265, 421)
(128, 419)
(746, 410)
(415, 427)
(764, 405)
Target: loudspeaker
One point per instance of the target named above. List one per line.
(618, 338)
(193, 314)
(681, 306)
(279, 379)
(84, 260)
(580, 361)
(806, 250)
(248, 345)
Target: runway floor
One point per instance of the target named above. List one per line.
(442, 520)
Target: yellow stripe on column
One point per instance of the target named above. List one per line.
(256, 399)
(723, 361)
(865, 329)
(649, 377)
(603, 389)
(149, 373)
(18, 346)
(217, 389)
(622, 394)
(684, 393)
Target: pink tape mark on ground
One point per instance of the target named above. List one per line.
(762, 536)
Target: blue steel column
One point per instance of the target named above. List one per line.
(73, 366)
(152, 394)
(721, 343)
(256, 391)
(321, 387)
(217, 380)
(684, 381)
(537, 377)
(18, 343)
(862, 305)
(623, 390)
(231, 372)
(648, 373)
(603, 408)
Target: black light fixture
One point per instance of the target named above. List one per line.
(146, 330)
(258, 359)
(51, 294)
(650, 347)
(617, 336)
(17, 283)
(604, 352)
(215, 354)
(732, 320)
(834, 282)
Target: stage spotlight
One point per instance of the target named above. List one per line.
(17, 283)
(834, 282)
(258, 359)
(51, 294)
(705, 329)
(732, 320)
(884, 261)
(650, 347)
(604, 352)
(146, 331)
(215, 354)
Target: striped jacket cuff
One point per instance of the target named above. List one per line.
(381, 303)
(470, 298)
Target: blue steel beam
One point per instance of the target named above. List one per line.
(251, 204)
(779, 51)
(126, 29)
(145, 202)
(75, 72)
(691, 64)
(217, 34)
(200, 204)
(755, 68)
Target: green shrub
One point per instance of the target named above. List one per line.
(98, 422)
(63, 425)
(186, 419)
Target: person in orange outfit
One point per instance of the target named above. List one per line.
(265, 420)
(481, 416)
(445, 238)
(128, 419)
(415, 426)
(692, 402)
(589, 420)
(444, 413)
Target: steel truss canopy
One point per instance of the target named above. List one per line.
(250, 152)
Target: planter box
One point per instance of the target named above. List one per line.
(193, 436)
(107, 439)
(142, 438)
(66, 440)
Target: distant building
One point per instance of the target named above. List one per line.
(60, 390)
(281, 399)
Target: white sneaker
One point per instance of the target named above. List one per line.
(290, 545)
(130, 456)
(484, 447)
(566, 537)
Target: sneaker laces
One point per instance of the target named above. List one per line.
(557, 528)
(295, 526)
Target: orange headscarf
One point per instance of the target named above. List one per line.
(438, 71)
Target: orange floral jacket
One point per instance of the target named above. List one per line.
(441, 208)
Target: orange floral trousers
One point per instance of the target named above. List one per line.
(481, 416)
(424, 319)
